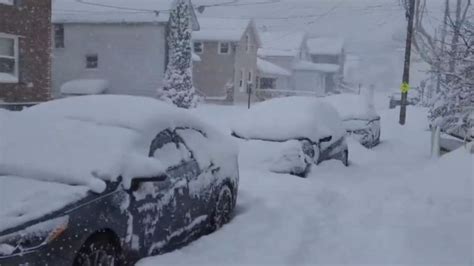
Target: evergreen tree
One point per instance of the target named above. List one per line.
(178, 86)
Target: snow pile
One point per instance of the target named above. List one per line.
(22, 200)
(310, 66)
(8, 78)
(220, 29)
(352, 106)
(268, 68)
(91, 139)
(290, 118)
(326, 46)
(85, 87)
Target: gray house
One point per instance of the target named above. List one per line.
(228, 58)
(289, 51)
(330, 55)
(110, 46)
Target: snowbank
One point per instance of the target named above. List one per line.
(85, 87)
(87, 140)
(290, 118)
(22, 200)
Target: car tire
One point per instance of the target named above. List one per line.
(223, 208)
(99, 250)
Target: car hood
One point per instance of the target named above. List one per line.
(23, 200)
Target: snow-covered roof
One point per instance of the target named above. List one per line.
(85, 87)
(114, 11)
(310, 66)
(352, 106)
(219, 29)
(87, 140)
(288, 118)
(327, 46)
(269, 68)
(281, 43)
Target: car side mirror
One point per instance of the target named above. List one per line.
(138, 180)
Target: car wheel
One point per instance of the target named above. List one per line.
(98, 251)
(223, 208)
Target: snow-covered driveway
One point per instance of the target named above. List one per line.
(393, 205)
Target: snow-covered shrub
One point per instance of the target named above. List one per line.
(178, 86)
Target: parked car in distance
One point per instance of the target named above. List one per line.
(396, 99)
(107, 180)
(308, 130)
(359, 117)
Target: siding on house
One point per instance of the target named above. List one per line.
(215, 70)
(130, 56)
(246, 60)
(30, 21)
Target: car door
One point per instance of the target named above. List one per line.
(160, 208)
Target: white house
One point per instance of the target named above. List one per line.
(288, 51)
(329, 54)
(119, 44)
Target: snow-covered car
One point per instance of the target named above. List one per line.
(396, 99)
(360, 119)
(309, 131)
(106, 180)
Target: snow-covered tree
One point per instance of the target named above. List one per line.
(453, 109)
(178, 81)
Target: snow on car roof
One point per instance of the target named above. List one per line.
(24, 199)
(290, 118)
(219, 29)
(352, 106)
(87, 140)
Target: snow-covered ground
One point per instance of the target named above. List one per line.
(393, 205)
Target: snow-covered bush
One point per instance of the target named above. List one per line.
(178, 86)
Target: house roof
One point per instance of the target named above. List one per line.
(268, 68)
(310, 66)
(328, 46)
(219, 29)
(113, 11)
(281, 43)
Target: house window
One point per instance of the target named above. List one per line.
(267, 83)
(224, 48)
(92, 61)
(59, 35)
(198, 47)
(247, 43)
(8, 58)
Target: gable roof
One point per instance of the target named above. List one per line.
(281, 43)
(114, 11)
(328, 46)
(219, 29)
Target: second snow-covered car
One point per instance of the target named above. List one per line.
(106, 180)
(359, 118)
(306, 132)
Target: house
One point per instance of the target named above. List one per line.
(329, 53)
(228, 58)
(25, 54)
(115, 46)
(288, 51)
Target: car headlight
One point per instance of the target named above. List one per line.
(33, 237)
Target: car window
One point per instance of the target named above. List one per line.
(169, 149)
(198, 143)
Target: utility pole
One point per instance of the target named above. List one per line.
(410, 13)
